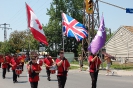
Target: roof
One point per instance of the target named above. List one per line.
(129, 28)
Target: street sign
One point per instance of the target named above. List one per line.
(41, 48)
(129, 10)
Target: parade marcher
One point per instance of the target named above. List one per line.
(62, 69)
(9, 57)
(15, 64)
(22, 59)
(80, 59)
(1, 57)
(4, 66)
(33, 71)
(48, 62)
(94, 63)
(108, 60)
(40, 61)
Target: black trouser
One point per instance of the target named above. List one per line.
(48, 73)
(4, 72)
(34, 84)
(14, 75)
(0, 64)
(94, 76)
(22, 66)
(8, 67)
(61, 81)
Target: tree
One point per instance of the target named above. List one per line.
(108, 34)
(54, 26)
(22, 40)
(4, 47)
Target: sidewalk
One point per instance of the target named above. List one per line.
(103, 72)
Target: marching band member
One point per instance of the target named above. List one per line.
(62, 67)
(40, 61)
(48, 62)
(22, 59)
(33, 71)
(1, 57)
(4, 66)
(15, 64)
(94, 63)
(9, 57)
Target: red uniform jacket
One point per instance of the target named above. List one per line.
(15, 63)
(40, 62)
(1, 56)
(21, 59)
(64, 66)
(49, 62)
(7, 59)
(5, 63)
(94, 64)
(34, 67)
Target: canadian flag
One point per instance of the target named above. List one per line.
(35, 26)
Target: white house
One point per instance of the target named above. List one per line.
(120, 44)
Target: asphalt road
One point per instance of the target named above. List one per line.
(75, 79)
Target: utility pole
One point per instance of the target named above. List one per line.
(5, 28)
(91, 21)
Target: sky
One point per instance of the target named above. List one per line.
(13, 12)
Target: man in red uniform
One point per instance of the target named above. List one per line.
(15, 64)
(21, 60)
(62, 67)
(33, 70)
(1, 56)
(94, 63)
(4, 66)
(48, 62)
(9, 57)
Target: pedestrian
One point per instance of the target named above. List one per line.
(48, 62)
(15, 63)
(109, 62)
(94, 64)
(80, 59)
(4, 67)
(33, 71)
(62, 69)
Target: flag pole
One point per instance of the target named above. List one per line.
(29, 56)
(62, 34)
(63, 38)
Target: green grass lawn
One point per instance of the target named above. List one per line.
(73, 67)
(115, 65)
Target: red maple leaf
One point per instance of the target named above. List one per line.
(40, 26)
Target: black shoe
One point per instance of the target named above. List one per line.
(14, 81)
(48, 79)
(3, 77)
(18, 76)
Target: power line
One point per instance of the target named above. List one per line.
(16, 14)
(22, 22)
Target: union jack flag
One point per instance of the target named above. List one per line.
(72, 28)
